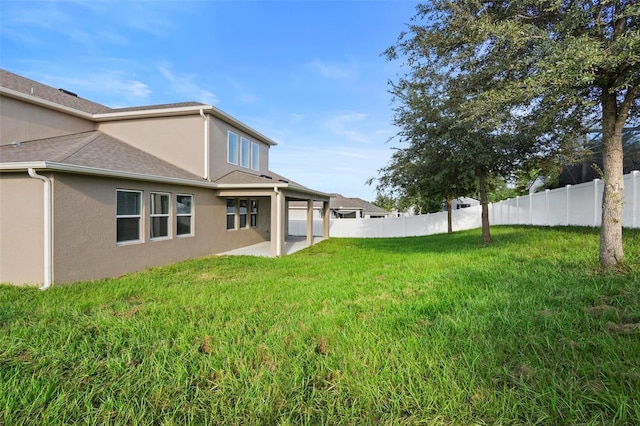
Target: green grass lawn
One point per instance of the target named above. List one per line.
(425, 330)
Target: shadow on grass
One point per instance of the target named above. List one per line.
(469, 240)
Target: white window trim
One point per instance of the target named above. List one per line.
(251, 214)
(153, 215)
(191, 215)
(245, 160)
(247, 217)
(236, 219)
(229, 133)
(129, 216)
(255, 159)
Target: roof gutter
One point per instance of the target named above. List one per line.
(206, 146)
(48, 229)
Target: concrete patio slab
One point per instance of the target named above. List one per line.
(291, 245)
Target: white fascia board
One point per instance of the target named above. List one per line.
(251, 185)
(44, 103)
(70, 168)
(147, 113)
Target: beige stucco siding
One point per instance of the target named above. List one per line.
(21, 229)
(178, 140)
(85, 229)
(219, 165)
(21, 121)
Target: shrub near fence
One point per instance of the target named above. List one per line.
(579, 205)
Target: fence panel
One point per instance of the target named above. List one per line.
(573, 205)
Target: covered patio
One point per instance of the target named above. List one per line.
(292, 244)
(279, 192)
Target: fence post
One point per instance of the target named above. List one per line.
(595, 202)
(518, 210)
(530, 209)
(546, 206)
(568, 201)
(635, 175)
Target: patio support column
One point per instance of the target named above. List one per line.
(325, 219)
(277, 223)
(286, 219)
(309, 222)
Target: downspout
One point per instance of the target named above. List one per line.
(278, 221)
(48, 252)
(206, 145)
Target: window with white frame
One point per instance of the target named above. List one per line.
(245, 152)
(231, 213)
(159, 227)
(128, 216)
(255, 156)
(232, 148)
(184, 215)
(243, 213)
(253, 206)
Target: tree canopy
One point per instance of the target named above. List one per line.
(521, 80)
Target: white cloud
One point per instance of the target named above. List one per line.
(186, 88)
(344, 125)
(334, 71)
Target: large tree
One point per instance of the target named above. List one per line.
(447, 156)
(556, 66)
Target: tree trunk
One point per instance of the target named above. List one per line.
(612, 201)
(486, 233)
(449, 217)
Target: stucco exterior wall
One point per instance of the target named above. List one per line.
(21, 121)
(85, 229)
(178, 140)
(218, 137)
(21, 229)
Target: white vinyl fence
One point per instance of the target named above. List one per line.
(579, 205)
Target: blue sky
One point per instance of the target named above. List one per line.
(308, 74)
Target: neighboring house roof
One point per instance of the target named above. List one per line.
(29, 87)
(340, 203)
(94, 150)
(346, 205)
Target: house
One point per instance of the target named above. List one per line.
(463, 202)
(88, 191)
(340, 207)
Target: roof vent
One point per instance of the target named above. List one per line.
(66, 92)
(265, 176)
(16, 144)
(282, 180)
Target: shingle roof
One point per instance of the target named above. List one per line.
(26, 86)
(160, 106)
(93, 149)
(238, 177)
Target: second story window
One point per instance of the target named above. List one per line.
(245, 152)
(232, 148)
(255, 156)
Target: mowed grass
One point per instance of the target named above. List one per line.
(426, 330)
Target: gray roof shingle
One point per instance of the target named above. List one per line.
(93, 149)
(26, 86)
